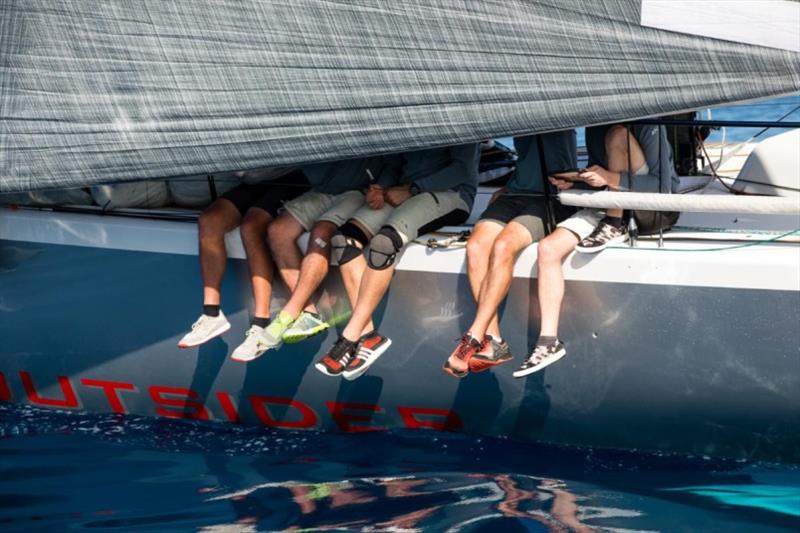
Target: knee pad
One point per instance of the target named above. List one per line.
(383, 248)
(344, 249)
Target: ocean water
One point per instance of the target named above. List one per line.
(68, 471)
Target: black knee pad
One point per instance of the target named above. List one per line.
(383, 248)
(344, 249)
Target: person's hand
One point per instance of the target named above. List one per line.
(497, 194)
(561, 185)
(397, 195)
(375, 196)
(595, 176)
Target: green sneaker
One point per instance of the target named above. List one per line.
(272, 338)
(307, 325)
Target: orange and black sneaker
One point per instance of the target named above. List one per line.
(458, 363)
(492, 354)
(338, 357)
(370, 347)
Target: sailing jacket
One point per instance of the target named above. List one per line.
(336, 177)
(453, 168)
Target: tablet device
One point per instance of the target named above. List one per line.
(571, 174)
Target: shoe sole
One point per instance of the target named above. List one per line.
(300, 337)
(554, 359)
(487, 364)
(324, 369)
(240, 359)
(455, 373)
(213, 336)
(350, 376)
(595, 249)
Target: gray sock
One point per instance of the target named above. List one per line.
(544, 340)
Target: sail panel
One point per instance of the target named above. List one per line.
(118, 90)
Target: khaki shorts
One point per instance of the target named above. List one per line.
(313, 207)
(583, 222)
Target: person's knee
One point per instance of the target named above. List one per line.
(283, 232)
(384, 247)
(347, 244)
(477, 247)
(550, 251)
(211, 223)
(503, 250)
(254, 226)
(617, 136)
(319, 237)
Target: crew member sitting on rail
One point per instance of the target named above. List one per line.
(254, 207)
(337, 192)
(514, 220)
(640, 160)
(436, 188)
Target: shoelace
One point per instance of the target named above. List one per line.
(198, 322)
(340, 353)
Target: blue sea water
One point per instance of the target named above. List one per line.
(66, 471)
(61, 471)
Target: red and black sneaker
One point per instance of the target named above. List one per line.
(458, 363)
(492, 354)
(338, 357)
(370, 347)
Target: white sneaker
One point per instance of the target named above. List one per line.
(253, 346)
(204, 329)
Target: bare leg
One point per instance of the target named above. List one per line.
(620, 158)
(552, 251)
(352, 275)
(217, 220)
(314, 267)
(512, 240)
(478, 252)
(283, 234)
(254, 238)
(373, 286)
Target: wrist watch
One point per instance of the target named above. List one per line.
(414, 189)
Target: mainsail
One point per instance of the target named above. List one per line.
(101, 91)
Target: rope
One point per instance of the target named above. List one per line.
(718, 249)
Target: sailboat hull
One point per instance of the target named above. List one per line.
(688, 368)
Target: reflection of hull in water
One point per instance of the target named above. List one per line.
(670, 351)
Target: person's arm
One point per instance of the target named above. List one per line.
(658, 154)
(463, 165)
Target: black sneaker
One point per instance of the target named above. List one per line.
(338, 357)
(542, 357)
(603, 235)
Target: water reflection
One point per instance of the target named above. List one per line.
(64, 471)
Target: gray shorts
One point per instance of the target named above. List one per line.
(420, 214)
(313, 207)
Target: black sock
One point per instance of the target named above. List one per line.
(211, 310)
(615, 221)
(544, 340)
(261, 322)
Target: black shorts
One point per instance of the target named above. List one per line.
(269, 195)
(527, 211)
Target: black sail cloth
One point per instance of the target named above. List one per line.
(115, 90)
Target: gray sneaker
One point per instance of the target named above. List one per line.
(253, 346)
(204, 329)
(307, 325)
(493, 354)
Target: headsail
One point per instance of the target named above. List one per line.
(114, 90)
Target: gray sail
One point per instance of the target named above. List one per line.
(114, 90)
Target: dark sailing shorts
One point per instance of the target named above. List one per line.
(528, 211)
(269, 195)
